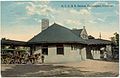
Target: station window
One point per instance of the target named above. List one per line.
(45, 50)
(60, 50)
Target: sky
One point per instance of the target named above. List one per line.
(21, 20)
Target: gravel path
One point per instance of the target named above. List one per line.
(88, 68)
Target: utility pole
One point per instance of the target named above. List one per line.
(100, 35)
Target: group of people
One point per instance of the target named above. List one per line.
(35, 58)
(105, 55)
(24, 58)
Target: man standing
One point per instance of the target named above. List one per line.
(42, 58)
(105, 55)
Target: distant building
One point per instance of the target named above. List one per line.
(81, 32)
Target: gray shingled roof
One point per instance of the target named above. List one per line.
(77, 31)
(59, 34)
(12, 42)
(97, 42)
(56, 34)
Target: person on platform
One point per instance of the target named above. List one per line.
(42, 58)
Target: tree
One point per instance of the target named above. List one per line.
(115, 39)
(112, 39)
(3, 39)
(115, 48)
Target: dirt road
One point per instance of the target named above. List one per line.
(88, 68)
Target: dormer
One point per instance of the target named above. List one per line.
(83, 33)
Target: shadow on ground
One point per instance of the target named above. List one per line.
(49, 71)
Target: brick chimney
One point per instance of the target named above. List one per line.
(44, 24)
